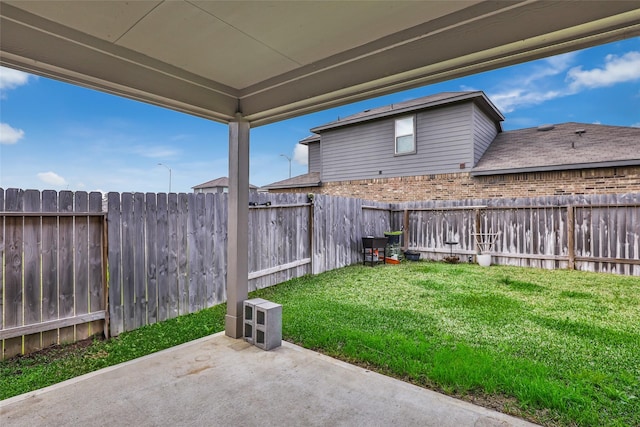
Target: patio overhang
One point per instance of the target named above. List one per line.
(274, 60)
(250, 63)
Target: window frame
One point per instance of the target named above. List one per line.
(396, 135)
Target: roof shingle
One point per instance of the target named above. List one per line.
(528, 150)
(223, 181)
(311, 179)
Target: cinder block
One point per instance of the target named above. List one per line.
(249, 318)
(268, 325)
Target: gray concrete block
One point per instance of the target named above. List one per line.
(268, 325)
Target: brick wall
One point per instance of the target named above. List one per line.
(463, 186)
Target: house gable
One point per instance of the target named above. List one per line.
(315, 158)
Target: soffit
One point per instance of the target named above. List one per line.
(270, 60)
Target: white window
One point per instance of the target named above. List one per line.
(405, 135)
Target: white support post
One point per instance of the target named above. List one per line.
(237, 231)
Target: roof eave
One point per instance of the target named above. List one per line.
(280, 187)
(590, 165)
(308, 140)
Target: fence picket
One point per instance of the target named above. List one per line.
(151, 247)
(95, 284)
(128, 266)
(139, 271)
(182, 271)
(65, 265)
(49, 265)
(116, 293)
(13, 271)
(208, 232)
(167, 295)
(32, 240)
(81, 262)
(220, 248)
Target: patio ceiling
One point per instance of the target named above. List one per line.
(271, 60)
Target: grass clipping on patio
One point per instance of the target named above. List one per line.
(556, 347)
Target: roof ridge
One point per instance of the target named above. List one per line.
(424, 102)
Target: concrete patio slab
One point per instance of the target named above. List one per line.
(219, 381)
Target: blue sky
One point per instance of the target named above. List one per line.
(58, 136)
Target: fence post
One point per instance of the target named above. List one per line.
(571, 237)
(310, 228)
(405, 227)
(478, 225)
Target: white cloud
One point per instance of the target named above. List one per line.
(559, 63)
(617, 69)
(468, 88)
(550, 67)
(511, 100)
(531, 88)
(11, 79)
(9, 135)
(537, 87)
(52, 178)
(301, 154)
(636, 125)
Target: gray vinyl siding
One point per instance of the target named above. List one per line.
(443, 141)
(484, 132)
(315, 158)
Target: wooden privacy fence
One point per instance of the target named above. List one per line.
(594, 233)
(168, 256)
(166, 253)
(157, 247)
(52, 281)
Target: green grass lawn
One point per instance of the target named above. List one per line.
(560, 347)
(557, 347)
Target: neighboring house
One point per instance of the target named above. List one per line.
(451, 146)
(218, 185)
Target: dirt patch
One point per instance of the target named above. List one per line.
(57, 351)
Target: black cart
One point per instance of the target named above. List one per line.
(372, 248)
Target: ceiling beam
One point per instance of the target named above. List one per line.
(362, 83)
